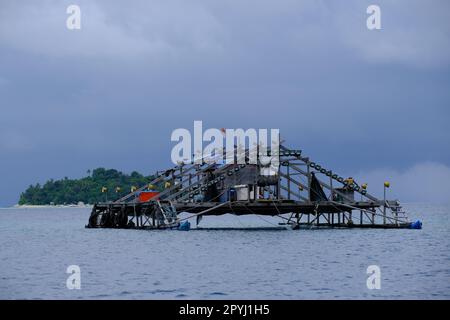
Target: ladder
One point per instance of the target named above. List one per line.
(168, 212)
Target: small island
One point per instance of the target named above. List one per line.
(99, 185)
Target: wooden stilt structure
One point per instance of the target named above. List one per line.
(315, 196)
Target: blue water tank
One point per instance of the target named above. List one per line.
(223, 197)
(232, 196)
(416, 225)
(184, 226)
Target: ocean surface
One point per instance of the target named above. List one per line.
(38, 244)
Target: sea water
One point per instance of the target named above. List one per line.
(39, 244)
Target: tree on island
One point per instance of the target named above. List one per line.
(87, 189)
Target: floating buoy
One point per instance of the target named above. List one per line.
(184, 226)
(416, 225)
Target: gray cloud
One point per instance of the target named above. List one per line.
(413, 33)
(111, 93)
(110, 29)
(423, 182)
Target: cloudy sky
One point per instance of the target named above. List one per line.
(368, 103)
